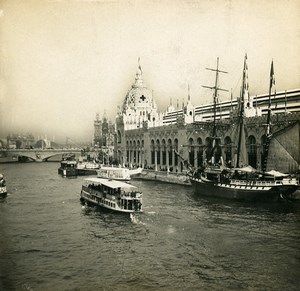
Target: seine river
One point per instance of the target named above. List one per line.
(49, 241)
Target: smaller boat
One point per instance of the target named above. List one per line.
(87, 167)
(114, 173)
(68, 166)
(3, 191)
(112, 195)
(136, 171)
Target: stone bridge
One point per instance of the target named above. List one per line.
(37, 155)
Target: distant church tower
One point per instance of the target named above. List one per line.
(97, 130)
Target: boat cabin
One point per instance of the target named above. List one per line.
(114, 173)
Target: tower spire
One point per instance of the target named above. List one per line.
(140, 68)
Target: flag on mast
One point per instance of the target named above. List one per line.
(272, 77)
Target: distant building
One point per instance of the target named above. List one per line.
(20, 141)
(104, 138)
(97, 131)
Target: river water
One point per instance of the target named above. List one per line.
(49, 241)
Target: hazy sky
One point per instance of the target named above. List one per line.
(64, 61)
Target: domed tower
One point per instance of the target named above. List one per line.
(139, 106)
(138, 111)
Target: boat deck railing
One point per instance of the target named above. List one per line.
(255, 183)
(122, 195)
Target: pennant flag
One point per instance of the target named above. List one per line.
(272, 77)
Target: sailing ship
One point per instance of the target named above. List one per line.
(240, 182)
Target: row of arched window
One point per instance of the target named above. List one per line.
(162, 151)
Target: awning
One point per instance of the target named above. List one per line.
(109, 183)
(276, 174)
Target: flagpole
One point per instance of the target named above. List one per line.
(268, 130)
(272, 81)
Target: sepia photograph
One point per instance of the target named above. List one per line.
(149, 145)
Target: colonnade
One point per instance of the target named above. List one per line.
(161, 156)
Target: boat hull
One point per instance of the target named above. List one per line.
(3, 192)
(86, 172)
(116, 179)
(99, 201)
(67, 172)
(243, 192)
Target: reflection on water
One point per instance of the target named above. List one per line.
(49, 241)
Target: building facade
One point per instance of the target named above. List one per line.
(149, 139)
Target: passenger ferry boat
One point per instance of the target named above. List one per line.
(3, 191)
(112, 195)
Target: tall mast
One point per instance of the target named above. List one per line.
(241, 112)
(215, 96)
(268, 130)
(272, 82)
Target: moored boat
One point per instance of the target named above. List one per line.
(3, 190)
(112, 195)
(85, 167)
(68, 166)
(115, 173)
(136, 171)
(240, 183)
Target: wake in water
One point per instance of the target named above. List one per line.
(135, 219)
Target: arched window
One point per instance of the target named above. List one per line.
(170, 151)
(176, 148)
(158, 149)
(164, 152)
(199, 152)
(252, 155)
(191, 152)
(152, 152)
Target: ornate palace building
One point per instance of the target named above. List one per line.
(147, 138)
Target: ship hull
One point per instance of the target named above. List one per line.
(86, 172)
(242, 192)
(99, 201)
(67, 172)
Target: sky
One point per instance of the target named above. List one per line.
(63, 61)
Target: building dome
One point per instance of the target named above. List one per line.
(139, 96)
